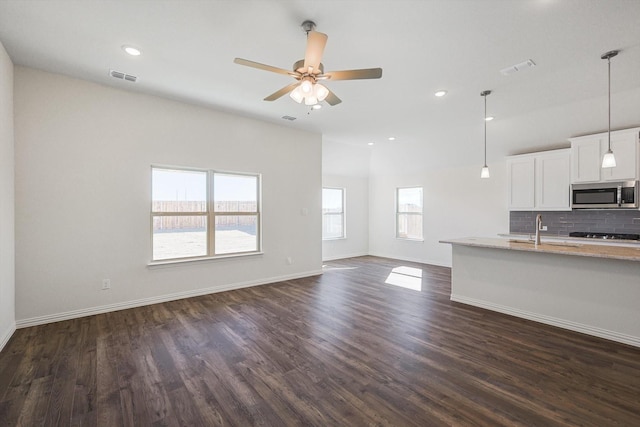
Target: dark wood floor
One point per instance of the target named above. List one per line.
(342, 349)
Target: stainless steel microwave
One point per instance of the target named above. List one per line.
(605, 195)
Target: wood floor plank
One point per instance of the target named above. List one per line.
(85, 388)
(109, 411)
(344, 348)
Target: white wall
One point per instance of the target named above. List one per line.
(457, 203)
(83, 156)
(7, 247)
(346, 166)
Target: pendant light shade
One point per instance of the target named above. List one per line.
(484, 173)
(609, 160)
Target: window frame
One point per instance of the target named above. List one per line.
(210, 214)
(399, 212)
(343, 213)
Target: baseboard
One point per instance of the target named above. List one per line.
(74, 314)
(410, 259)
(354, 255)
(553, 321)
(5, 336)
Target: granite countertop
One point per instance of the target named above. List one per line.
(630, 253)
(554, 238)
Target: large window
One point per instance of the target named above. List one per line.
(203, 213)
(409, 213)
(333, 213)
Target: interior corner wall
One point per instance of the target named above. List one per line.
(83, 196)
(457, 203)
(347, 166)
(7, 201)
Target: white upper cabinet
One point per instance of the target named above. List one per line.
(585, 159)
(625, 149)
(539, 181)
(587, 152)
(553, 180)
(521, 173)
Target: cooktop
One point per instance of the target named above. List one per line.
(605, 236)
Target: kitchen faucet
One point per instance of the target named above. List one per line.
(538, 228)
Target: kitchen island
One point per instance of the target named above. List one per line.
(593, 289)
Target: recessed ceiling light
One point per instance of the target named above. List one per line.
(489, 118)
(131, 50)
(392, 138)
(440, 93)
(316, 107)
(369, 143)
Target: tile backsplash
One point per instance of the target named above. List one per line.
(562, 223)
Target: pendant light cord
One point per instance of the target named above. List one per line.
(609, 106)
(485, 130)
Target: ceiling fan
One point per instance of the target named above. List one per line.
(309, 71)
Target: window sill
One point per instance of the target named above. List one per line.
(334, 238)
(409, 239)
(176, 262)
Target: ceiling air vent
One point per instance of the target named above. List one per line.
(289, 118)
(123, 76)
(518, 67)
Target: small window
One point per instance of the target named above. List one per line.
(409, 213)
(333, 226)
(203, 213)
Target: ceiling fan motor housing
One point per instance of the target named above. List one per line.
(298, 66)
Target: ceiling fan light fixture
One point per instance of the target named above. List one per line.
(306, 87)
(310, 100)
(320, 92)
(297, 95)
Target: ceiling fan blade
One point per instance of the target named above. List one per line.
(315, 48)
(285, 90)
(332, 99)
(367, 73)
(264, 67)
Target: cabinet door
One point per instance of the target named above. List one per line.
(586, 160)
(624, 147)
(553, 180)
(521, 172)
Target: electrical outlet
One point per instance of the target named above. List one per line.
(106, 284)
(544, 228)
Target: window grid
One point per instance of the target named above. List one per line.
(328, 213)
(211, 215)
(409, 210)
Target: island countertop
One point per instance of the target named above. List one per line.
(561, 248)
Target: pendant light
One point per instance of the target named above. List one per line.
(485, 169)
(609, 160)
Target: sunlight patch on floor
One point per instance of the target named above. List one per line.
(406, 277)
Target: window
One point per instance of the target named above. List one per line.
(333, 213)
(203, 213)
(409, 213)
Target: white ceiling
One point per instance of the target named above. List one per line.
(188, 50)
